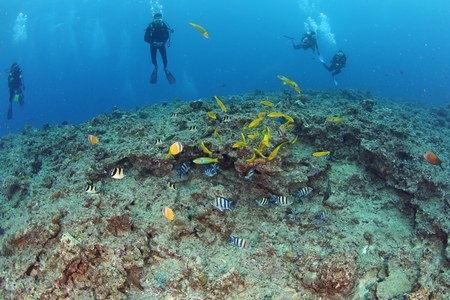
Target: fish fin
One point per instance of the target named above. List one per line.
(154, 76)
(170, 78)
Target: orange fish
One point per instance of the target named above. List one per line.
(174, 149)
(168, 213)
(93, 139)
(432, 158)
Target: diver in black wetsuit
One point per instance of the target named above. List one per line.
(337, 63)
(309, 41)
(16, 87)
(157, 35)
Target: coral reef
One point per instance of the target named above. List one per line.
(375, 226)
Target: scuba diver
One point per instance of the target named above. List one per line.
(157, 35)
(16, 87)
(309, 41)
(337, 63)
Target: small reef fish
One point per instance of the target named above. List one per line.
(174, 115)
(200, 29)
(212, 115)
(243, 143)
(292, 83)
(266, 103)
(217, 135)
(250, 173)
(93, 139)
(174, 149)
(252, 159)
(90, 189)
(432, 158)
(205, 149)
(322, 216)
(265, 140)
(117, 173)
(281, 200)
(193, 128)
(222, 106)
(239, 242)
(275, 114)
(171, 186)
(259, 153)
(253, 136)
(335, 119)
(158, 142)
(303, 192)
(255, 123)
(168, 213)
(294, 140)
(205, 160)
(184, 169)
(210, 172)
(327, 192)
(226, 119)
(321, 153)
(222, 203)
(275, 151)
(264, 201)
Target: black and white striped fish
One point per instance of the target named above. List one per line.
(222, 203)
(193, 128)
(158, 142)
(303, 192)
(263, 201)
(250, 173)
(174, 115)
(90, 189)
(117, 173)
(239, 242)
(281, 200)
(184, 169)
(171, 185)
(211, 171)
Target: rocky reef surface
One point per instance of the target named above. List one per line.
(375, 226)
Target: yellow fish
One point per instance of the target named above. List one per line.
(212, 115)
(266, 103)
(241, 144)
(222, 106)
(275, 115)
(260, 153)
(275, 151)
(253, 136)
(288, 118)
(335, 119)
(252, 158)
(261, 115)
(174, 149)
(294, 140)
(205, 160)
(254, 123)
(292, 83)
(168, 213)
(321, 153)
(200, 29)
(217, 135)
(265, 140)
(205, 149)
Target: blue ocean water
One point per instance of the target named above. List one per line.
(84, 57)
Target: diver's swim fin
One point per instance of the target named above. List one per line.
(335, 81)
(154, 76)
(321, 59)
(170, 78)
(9, 117)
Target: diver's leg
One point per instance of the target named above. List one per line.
(9, 115)
(335, 72)
(163, 52)
(153, 55)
